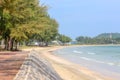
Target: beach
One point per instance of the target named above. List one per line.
(68, 70)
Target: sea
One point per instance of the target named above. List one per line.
(102, 59)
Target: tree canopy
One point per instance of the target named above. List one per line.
(64, 39)
(23, 20)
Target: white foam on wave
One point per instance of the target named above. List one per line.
(111, 64)
(99, 61)
(77, 52)
(118, 65)
(88, 59)
(91, 53)
(85, 58)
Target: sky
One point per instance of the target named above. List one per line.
(85, 17)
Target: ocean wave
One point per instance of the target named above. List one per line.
(85, 58)
(77, 52)
(118, 65)
(99, 61)
(91, 53)
(88, 59)
(111, 64)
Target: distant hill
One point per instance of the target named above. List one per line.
(109, 35)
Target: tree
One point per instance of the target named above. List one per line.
(64, 39)
(22, 20)
(84, 40)
(48, 32)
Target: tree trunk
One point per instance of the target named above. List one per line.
(5, 44)
(10, 44)
(16, 48)
(46, 43)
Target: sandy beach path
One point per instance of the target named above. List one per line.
(10, 63)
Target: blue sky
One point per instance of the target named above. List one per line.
(85, 17)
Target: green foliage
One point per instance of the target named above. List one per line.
(25, 20)
(82, 40)
(64, 39)
(109, 35)
(105, 38)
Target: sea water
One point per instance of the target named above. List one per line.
(102, 59)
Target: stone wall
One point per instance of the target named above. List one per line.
(36, 68)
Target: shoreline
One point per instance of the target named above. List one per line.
(68, 70)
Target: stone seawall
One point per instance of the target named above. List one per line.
(36, 68)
